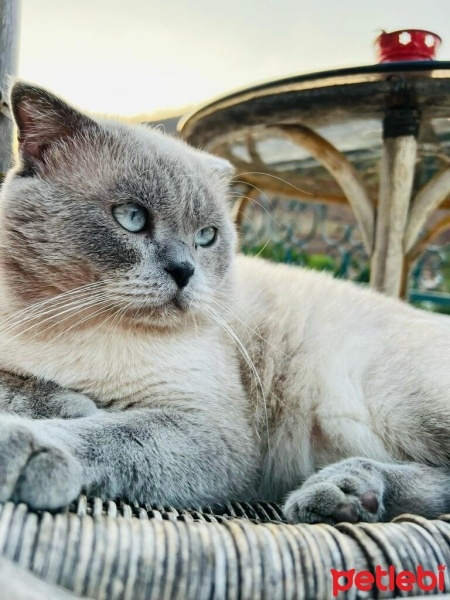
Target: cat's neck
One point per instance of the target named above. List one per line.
(107, 361)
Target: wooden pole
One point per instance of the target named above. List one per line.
(9, 38)
(396, 183)
(398, 161)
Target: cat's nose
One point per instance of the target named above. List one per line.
(180, 271)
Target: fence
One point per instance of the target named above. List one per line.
(326, 237)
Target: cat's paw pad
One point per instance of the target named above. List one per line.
(34, 470)
(350, 491)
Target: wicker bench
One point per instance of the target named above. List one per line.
(113, 550)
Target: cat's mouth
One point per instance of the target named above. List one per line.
(180, 301)
(177, 302)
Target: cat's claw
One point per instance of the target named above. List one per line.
(351, 491)
(34, 470)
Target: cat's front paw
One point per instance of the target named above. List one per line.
(351, 490)
(71, 405)
(33, 469)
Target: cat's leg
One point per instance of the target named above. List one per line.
(39, 399)
(159, 456)
(361, 489)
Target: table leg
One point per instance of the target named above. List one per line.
(249, 194)
(396, 184)
(426, 201)
(345, 174)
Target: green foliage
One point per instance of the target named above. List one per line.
(279, 252)
(432, 307)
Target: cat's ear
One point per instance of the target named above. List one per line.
(218, 166)
(42, 119)
(221, 166)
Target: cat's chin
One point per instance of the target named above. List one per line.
(176, 304)
(175, 312)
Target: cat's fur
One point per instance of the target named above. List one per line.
(242, 384)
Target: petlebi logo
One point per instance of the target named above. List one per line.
(383, 580)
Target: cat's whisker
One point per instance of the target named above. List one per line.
(255, 229)
(119, 313)
(240, 346)
(69, 309)
(115, 310)
(288, 183)
(73, 310)
(262, 249)
(14, 318)
(264, 195)
(232, 315)
(59, 301)
(239, 306)
(64, 332)
(120, 316)
(227, 308)
(37, 315)
(194, 318)
(97, 313)
(53, 298)
(255, 201)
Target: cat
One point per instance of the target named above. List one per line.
(142, 357)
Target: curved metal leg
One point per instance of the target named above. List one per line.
(343, 172)
(240, 204)
(420, 246)
(391, 239)
(425, 202)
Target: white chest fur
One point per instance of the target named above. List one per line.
(125, 367)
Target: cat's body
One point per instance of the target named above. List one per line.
(242, 383)
(346, 372)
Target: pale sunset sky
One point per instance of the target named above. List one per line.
(138, 56)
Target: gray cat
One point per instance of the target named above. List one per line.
(142, 358)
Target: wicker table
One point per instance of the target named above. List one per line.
(407, 105)
(112, 550)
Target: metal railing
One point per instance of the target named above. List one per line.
(326, 237)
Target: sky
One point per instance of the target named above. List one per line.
(129, 57)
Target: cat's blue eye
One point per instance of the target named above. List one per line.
(206, 236)
(131, 216)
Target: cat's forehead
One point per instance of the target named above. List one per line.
(166, 191)
(162, 174)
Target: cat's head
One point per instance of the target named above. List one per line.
(132, 218)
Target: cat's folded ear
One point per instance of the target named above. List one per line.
(42, 119)
(218, 166)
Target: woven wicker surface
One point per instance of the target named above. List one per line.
(115, 550)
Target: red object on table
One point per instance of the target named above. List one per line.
(407, 44)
